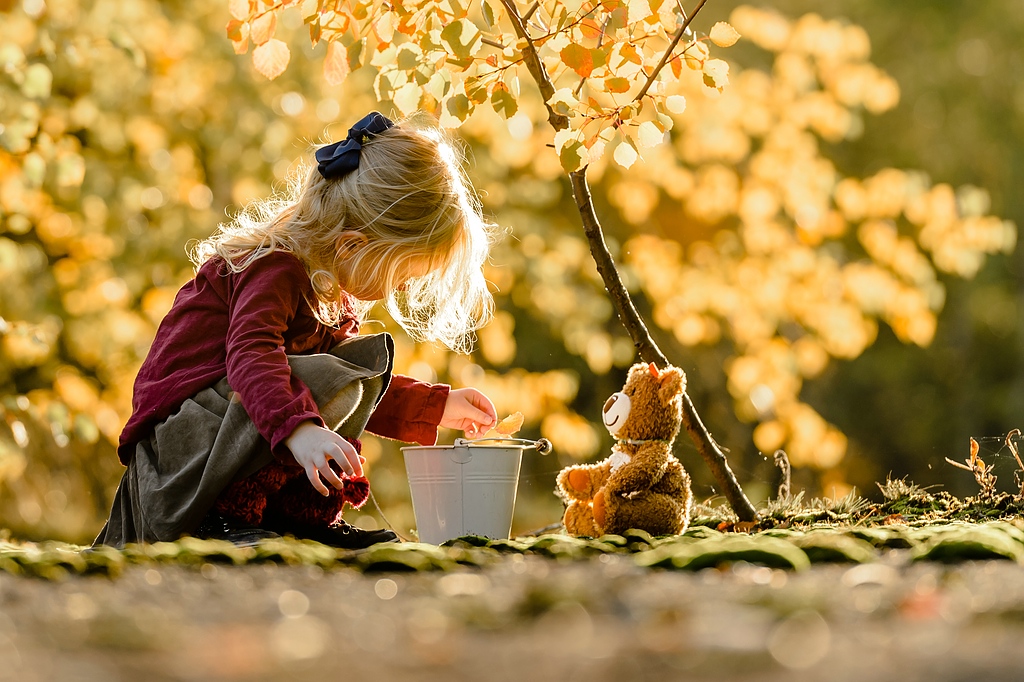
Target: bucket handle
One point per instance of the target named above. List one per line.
(542, 445)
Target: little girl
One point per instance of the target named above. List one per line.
(247, 410)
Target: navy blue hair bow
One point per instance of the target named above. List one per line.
(340, 158)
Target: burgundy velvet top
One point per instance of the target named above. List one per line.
(242, 325)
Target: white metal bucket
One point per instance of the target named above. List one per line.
(468, 488)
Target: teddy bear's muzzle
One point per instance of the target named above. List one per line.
(616, 410)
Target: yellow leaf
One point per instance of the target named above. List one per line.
(459, 106)
(571, 153)
(625, 155)
(590, 29)
(616, 84)
(716, 73)
(573, 157)
(723, 34)
(578, 58)
(563, 137)
(563, 102)
(675, 103)
(234, 30)
(649, 135)
(974, 451)
(239, 37)
(503, 101)
(407, 98)
(262, 27)
(385, 27)
(239, 9)
(629, 53)
(508, 426)
(271, 58)
(438, 85)
(336, 66)
(462, 38)
(637, 10)
(696, 54)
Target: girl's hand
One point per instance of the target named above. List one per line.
(470, 411)
(313, 446)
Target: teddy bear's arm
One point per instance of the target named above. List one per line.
(645, 468)
(581, 481)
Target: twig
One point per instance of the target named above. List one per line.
(535, 66)
(1018, 476)
(982, 472)
(668, 53)
(782, 462)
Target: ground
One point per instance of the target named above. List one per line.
(904, 602)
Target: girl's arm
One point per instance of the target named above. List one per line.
(262, 303)
(411, 411)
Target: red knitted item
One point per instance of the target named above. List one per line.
(246, 499)
(285, 491)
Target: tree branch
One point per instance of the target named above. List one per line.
(668, 53)
(535, 66)
(628, 315)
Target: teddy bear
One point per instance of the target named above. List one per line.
(641, 485)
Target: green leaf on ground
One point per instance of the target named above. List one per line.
(969, 543)
(834, 547)
(694, 556)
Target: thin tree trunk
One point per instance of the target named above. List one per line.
(628, 315)
(649, 351)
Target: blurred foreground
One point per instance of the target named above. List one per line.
(602, 619)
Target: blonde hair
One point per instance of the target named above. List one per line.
(411, 200)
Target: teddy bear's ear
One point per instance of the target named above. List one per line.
(671, 382)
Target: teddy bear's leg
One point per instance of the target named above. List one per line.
(605, 507)
(579, 520)
(599, 510)
(656, 513)
(581, 481)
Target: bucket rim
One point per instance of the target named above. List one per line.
(509, 446)
(542, 445)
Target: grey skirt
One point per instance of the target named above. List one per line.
(177, 473)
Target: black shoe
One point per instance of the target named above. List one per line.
(339, 534)
(217, 527)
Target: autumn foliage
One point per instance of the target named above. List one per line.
(127, 129)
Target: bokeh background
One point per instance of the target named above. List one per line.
(827, 248)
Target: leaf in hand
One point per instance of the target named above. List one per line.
(507, 427)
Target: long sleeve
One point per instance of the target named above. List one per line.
(261, 306)
(410, 411)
